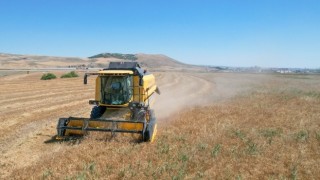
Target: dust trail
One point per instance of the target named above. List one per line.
(183, 90)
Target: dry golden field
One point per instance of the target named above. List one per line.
(211, 126)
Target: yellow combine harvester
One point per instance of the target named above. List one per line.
(124, 95)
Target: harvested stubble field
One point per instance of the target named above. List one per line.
(211, 126)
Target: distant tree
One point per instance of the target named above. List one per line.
(48, 76)
(70, 75)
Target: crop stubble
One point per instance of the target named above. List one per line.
(268, 131)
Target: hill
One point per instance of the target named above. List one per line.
(116, 55)
(35, 61)
(150, 61)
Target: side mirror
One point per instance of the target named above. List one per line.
(158, 91)
(141, 81)
(85, 79)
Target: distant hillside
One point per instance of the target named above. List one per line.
(34, 61)
(158, 60)
(149, 60)
(154, 62)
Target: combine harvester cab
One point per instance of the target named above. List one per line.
(124, 95)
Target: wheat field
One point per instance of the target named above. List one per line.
(210, 126)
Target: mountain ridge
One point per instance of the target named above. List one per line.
(151, 61)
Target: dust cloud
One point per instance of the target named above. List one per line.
(181, 91)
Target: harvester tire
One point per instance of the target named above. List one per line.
(62, 122)
(97, 112)
(151, 127)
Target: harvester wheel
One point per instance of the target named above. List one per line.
(62, 122)
(97, 111)
(151, 127)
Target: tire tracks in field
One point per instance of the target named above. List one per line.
(24, 100)
(35, 117)
(43, 102)
(29, 139)
(39, 95)
(29, 89)
(41, 106)
(23, 107)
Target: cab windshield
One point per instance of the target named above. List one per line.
(116, 90)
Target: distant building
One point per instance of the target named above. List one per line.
(284, 71)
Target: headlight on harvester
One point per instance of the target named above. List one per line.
(93, 102)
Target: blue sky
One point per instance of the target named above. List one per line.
(268, 33)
